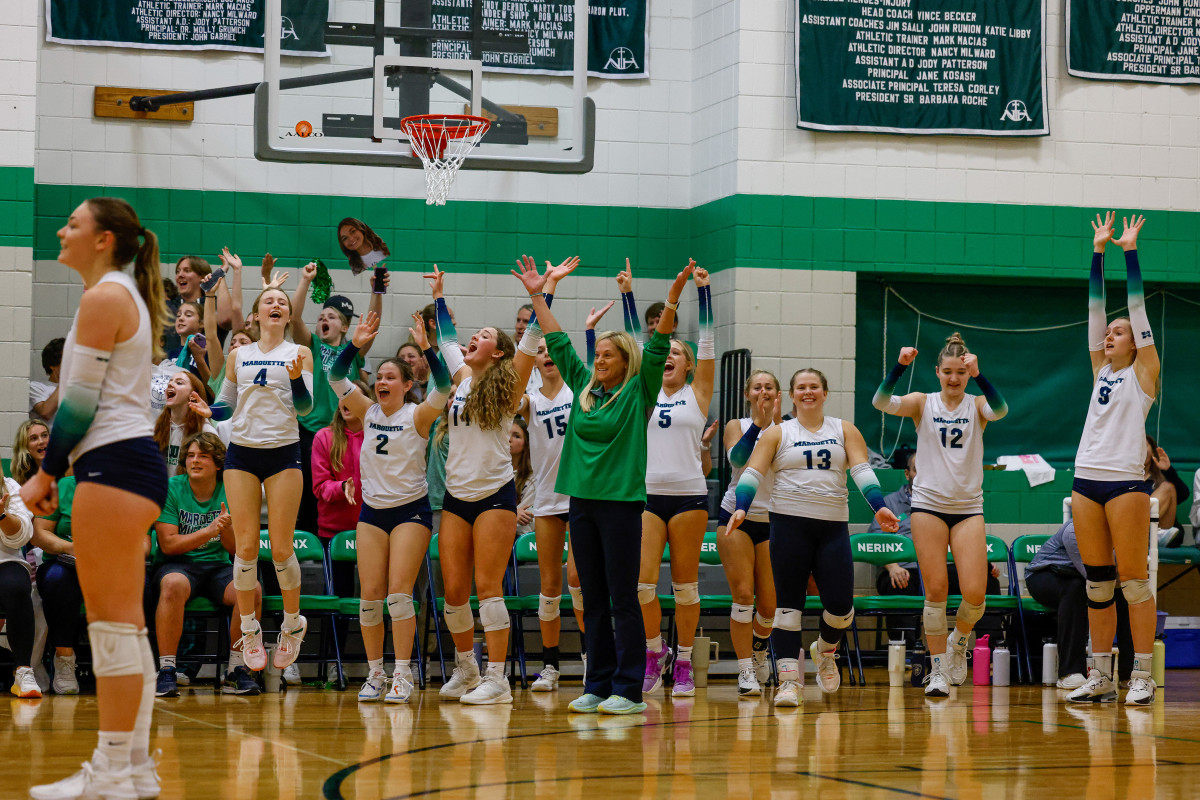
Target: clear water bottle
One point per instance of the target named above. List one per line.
(1000, 665)
(896, 659)
(1049, 663)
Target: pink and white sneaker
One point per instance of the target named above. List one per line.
(656, 663)
(288, 647)
(683, 679)
(253, 651)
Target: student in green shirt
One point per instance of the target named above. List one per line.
(603, 471)
(58, 586)
(195, 539)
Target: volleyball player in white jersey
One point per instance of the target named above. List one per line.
(947, 498)
(677, 499)
(395, 520)
(1110, 498)
(103, 431)
(809, 456)
(268, 384)
(746, 554)
(479, 512)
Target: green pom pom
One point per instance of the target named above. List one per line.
(322, 284)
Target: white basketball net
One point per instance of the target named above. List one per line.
(442, 142)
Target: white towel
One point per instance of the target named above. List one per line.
(1034, 466)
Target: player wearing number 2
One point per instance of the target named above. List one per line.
(947, 497)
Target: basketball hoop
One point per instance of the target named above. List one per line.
(442, 142)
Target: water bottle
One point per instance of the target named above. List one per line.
(983, 661)
(1159, 670)
(896, 658)
(1000, 665)
(920, 663)
(1049, 663)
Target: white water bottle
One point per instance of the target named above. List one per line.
(1000, 664)
(1049, 663)
(896, 659)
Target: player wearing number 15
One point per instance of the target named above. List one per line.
(947, 497)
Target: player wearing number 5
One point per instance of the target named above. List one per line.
(268, 384)
(947, 497)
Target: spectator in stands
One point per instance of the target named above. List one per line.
(524, 314)
(43, 396)
(190, 271)
(16, 586)
(58, 586)
(1055, 578)
(518, 448)
(1169, 490)
(337, 485)
(652, 315)
(185, 413)
(410, 354)
(213, 345)
(29, 448)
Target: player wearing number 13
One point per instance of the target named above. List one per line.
(947, 497)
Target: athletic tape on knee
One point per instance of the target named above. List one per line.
(934, 618)
(686, 594)
(458, 618)
(968, 614)
(288, 572)
(741, 613)
(647, 592)
(577, 596)
(1136, 591)
(400, 606)
(1101, 585)
(838, 621)
(548, 607)
(788, 619)
(493, 615)
(766, 622)
(370, 613)
(245, 575)
(116, 649)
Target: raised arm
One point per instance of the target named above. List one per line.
(654, 354)
(864, 477)
(300, 333)
(375, 305)
(633, 325)
(1102, 234)
(589, 330)
(741, 445)
(1147, 364)
(756, 468)
(225, 315)
(212, 338)
(527, 348)
(991, 406)
(909, 405)
(706, 351)
(439, 378)
(339, 373)
(557, 343)
(447, 333)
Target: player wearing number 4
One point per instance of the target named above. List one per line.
(947, 497)
(1110, 498)
(395, 521)
(809, 509)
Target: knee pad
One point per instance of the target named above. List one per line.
(766, 622)
(1101, 585)
(493, 615)
(686, 594)
(1137, 590)
(288, 572)
(647, 592)
(788, 619)
(933, 618)
(548, 607)
(116, 649)
(458, 618)
(740, 613)
(370, 613)
(400, 606)
(968, 614)
(245, 575)
(839, 621)
(577, 596)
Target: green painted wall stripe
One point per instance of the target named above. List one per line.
(16, 206)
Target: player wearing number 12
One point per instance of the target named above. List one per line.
(947, 497)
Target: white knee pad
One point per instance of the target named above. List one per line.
(765, 622)
(370, 613)
(840, 621)
(245, 575)
(1136, 591)
(548, 607)
(577, 596)
(493, 615)
(934, 618)
(647, 592)
(686, 594)
(968, 614)
(458, 618)
(288, 572)
(788, 619)
(400, 606)
(116, 649)
(741, 613)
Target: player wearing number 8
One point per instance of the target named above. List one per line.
(947, 497)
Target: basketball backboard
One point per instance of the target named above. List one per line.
(523, 64)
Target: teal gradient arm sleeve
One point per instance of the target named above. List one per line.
(448, 337)
(705, 343)
(1097, 317)
(867, 483)
(302, 393)
(533, 332)
(226, 401)
(746, 489)
(437, 371)
(629, 310)
(343, 365)
(1143, 336)
(739, 454)
(80, 399)
(590, 336)
(996, 406)
(884, 399)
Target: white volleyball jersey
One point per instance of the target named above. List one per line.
(265, 416)
(479, 463)
(762, 498)
(123, 411)
(548, 417)
(673, 445)
(949, 457)
(810, 471)
(174, 457)
(1113, 447)
(392, 461)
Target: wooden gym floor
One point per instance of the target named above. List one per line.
(1011, 742)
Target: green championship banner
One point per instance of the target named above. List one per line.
(617, 35)
(186, 24)
(971, 67)
(1156, 41)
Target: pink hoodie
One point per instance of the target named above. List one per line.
(334, 514)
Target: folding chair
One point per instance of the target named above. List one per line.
(1023, 549)
(880, 549)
